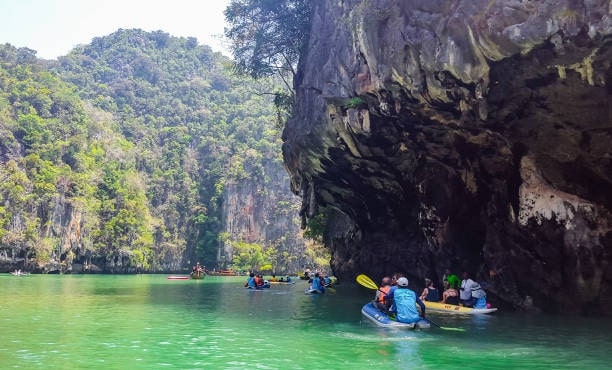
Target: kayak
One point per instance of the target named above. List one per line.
(381, 319)
(282, 282)
(313, 291)
(451, 308)
(178, 278)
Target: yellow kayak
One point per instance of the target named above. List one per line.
(451, 308)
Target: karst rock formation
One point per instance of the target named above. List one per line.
(470, 134)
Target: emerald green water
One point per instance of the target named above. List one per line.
(149, 322)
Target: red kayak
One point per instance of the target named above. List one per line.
(178, 277)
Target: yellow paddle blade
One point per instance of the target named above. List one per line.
(365, 281)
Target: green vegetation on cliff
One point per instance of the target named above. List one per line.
(118, 154)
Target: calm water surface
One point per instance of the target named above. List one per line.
(149, 322)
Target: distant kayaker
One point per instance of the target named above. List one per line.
(288, 279)
(273, 279)
(316, 283)
(430, 293)
(258, 281)
(465, 292)
(404, 303)
(251, 281)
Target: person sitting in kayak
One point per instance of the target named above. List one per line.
(381, 301)
(450, 294)
(198, 270)
(327, 281)
(465, 292)
(288, 279)
(479, 296)
(430, 293)
(394, 279)
(404, 303)
(251, 281)
(316, 284)
(273, 279)
(259, 281)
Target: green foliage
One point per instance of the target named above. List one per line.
(252, 256)
(135, 136)
(267, 36)
(315, 227)
(354, 102)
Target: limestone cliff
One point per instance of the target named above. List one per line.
(260, 210)
(468, 134)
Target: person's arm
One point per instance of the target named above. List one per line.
(424, 294)
(393, 307)
(422, 305)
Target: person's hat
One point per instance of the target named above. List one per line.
(402, 281)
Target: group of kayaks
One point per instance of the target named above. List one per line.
(380, 318)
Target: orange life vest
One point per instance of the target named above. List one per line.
(258, 281)
(384, 292)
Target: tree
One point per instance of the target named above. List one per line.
(268, 36)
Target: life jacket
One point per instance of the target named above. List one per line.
(258, 281)
(384, 292)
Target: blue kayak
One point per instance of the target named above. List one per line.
(381, 319)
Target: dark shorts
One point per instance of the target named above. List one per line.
(468, 302)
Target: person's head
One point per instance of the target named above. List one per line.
(386, 281)
(316, 274)
(402, 282)
(465, 275)
(273, 275)
(395, 277)
(428, 282)
(252, 274)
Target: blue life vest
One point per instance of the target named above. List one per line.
(404, 303)
(251, 282)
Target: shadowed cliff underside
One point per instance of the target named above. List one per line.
(469, 134)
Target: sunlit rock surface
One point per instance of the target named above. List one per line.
(471, 134)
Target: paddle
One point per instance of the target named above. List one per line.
(365, 281)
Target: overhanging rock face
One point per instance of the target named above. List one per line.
(471, 134)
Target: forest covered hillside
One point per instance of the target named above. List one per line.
(118, 157)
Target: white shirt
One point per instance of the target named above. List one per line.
(465, 292)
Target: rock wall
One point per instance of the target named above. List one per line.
(261, 210)
(467, 134)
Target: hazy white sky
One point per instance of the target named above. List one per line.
(54, 27)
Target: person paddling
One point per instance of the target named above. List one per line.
(381, 300)
(404, 303)
(251, 281)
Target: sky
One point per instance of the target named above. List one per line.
(54, 27)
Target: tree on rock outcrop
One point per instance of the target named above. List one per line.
(267, 37)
